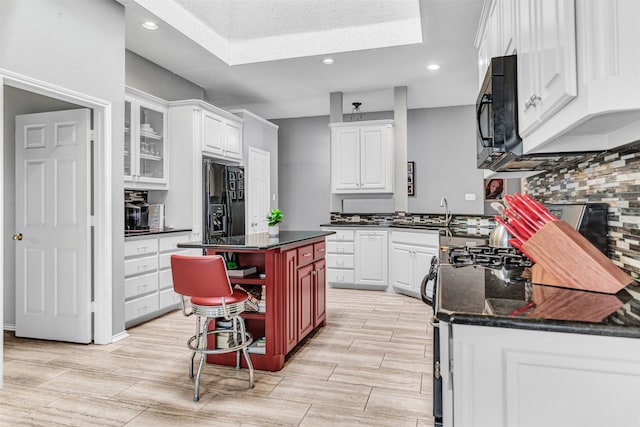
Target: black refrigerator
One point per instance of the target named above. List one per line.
(223, 200)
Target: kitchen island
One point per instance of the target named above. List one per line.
(514, 353)
(289, 283)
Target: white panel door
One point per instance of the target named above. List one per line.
(258, 190)
(53, 274)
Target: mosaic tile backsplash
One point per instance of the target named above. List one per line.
(611, 177)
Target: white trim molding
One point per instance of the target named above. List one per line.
(103, 233)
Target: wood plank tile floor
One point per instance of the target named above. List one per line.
(371, 365)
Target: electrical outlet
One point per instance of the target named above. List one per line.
(470, 196)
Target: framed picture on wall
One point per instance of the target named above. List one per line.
(411, 178)
(495, 188)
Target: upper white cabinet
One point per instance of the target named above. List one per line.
(146, 150)
(362, 157)
(214, 132)
(547, 78)
(221, 134)
(577, 69)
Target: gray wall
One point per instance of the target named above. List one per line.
(441, 141)
(78, 45)
(16, 102)
(148, 77)
(304, 175)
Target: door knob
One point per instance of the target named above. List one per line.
(254, 224)
(17, 236)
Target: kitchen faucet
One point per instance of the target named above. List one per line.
(447, 212)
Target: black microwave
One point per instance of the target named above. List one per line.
(497, 113)
(499, 144)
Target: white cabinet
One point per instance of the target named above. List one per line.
(148, 285)
(362, 157)
(357, 258)
(411, 254)
(515, 377)
(221, 133)
(371, 258)
(577, 70)
(547, 75)
(496, 34)
(340, 256)
(146, 150)
(198, 129)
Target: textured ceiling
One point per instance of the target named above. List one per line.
(275, 48)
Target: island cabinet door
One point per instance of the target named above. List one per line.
(291, 299)
(305, 300)
(319, 287)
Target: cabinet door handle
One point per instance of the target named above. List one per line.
(307, 254)
(321, 250)
(436, 371)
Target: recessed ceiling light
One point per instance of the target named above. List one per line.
(327, 61)
(149, 25)
(433, 67)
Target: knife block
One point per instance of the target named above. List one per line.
(571, 304)
(565, 258)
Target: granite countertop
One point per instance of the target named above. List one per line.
(258, 241)
(481, 296)
(137, 233)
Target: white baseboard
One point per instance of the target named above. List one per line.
(118, 337)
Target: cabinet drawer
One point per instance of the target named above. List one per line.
(340, 247)
(340, 276)
(140, 285)
(168, 298)
(341, 235)
(169, 243)
(305, 255)
(340, 261)
(140, 247)
(165, 259)
(165, 279)
(140, 307)
(416, 238)
(140, 265)
(318, 250)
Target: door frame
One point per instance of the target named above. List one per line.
(102, 220)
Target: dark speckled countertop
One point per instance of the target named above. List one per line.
(476, 295)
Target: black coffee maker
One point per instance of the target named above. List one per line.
(136, 215)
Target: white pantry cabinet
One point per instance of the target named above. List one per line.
(146, 148)
(524, 378)
(411, 253)
(362, 157)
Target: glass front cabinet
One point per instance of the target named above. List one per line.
(145, 145)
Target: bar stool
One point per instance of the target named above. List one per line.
(206, 291)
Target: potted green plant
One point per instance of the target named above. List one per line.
(273, 219)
